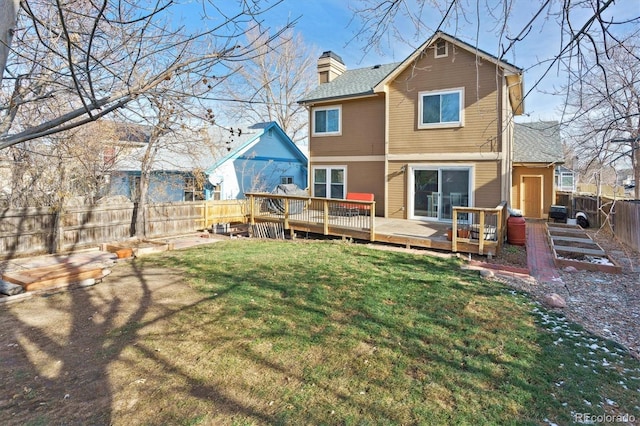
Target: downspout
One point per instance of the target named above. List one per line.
(507, 145)
(309, 191)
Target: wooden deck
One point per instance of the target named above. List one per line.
(324, 216)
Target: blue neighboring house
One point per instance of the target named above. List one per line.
(265, 157)
(256, 159)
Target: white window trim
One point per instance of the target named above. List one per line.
(327, 108)
(460, 123)
(328, 168)
(446, 49)
(561, 185)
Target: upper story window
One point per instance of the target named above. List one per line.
(327, 121)
(441, 109)
(442, 49)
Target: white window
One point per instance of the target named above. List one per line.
(441, 109)
(441, 49)
(329, 182)
(565, 181)
(326, 121)
(284, 180)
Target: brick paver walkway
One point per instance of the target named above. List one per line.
(539, 255)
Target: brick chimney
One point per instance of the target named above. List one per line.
(330, 66)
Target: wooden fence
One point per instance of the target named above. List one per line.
(596, 210)
(624, 219)
(626, 222)
(28, 231)
(225, 211)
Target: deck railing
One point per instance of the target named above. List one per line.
(319, 215)
(484, 227)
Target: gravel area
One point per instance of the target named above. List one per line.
(605, 304)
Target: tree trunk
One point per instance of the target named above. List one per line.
(636, 168)
(143, 199)
(8, 16)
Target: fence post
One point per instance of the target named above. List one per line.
(206, 214)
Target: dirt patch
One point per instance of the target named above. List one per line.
(59, 352)
(510, 255)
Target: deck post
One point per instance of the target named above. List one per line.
(454, 231)
(481, 233)
(286, 213)
(325, 217)
(252, 219)
(500, 228)
(372, 225)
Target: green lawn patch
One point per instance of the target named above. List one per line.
(338, 333)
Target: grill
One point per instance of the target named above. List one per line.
(558, 213)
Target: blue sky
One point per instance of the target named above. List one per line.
(329, 25)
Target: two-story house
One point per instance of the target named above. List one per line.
(423, 135)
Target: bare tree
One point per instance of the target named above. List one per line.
(70, 166)
(603, 106)
(582, 26)
(268, 85)
(597, 54)
(176, 117)
(74, 62)
(8, 13)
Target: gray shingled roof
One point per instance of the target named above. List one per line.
(537, 142)
(356, 82)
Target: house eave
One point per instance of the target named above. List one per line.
(311, 102)
(537, 164)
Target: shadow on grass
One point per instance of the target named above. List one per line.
(281, 333)
(60, 365)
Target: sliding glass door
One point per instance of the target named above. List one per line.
(425, 193)
(436, 190)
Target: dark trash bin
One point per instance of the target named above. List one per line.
(558, 213)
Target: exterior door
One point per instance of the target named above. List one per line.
(437, 190)
(455, 191)
(426, 198)
(531, 196)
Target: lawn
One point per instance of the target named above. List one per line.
(339, 333)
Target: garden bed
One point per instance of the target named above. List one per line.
(572, 246)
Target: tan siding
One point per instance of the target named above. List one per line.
(397, 197)
(362, 130)
(482, 105)
(366, 176)
(487, 184)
